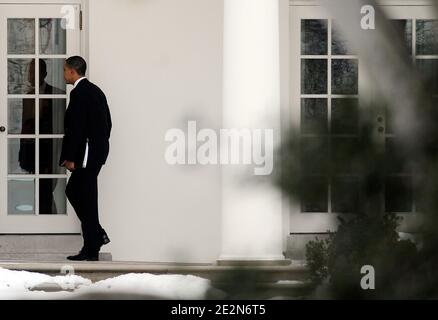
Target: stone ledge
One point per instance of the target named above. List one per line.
(46, 257)
(38, 243)
(100, 270)
(238, 263)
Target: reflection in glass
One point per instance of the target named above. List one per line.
(345, 194)
(50, 151)
(21, 36)
(21, 156)
(313, 116)
(21, 76)
(21, 116)
(314, 37)
(339, 43)
(398, 194)
(46, 78)
(428, 69)
(21, 196)
(345, 155)
(345, 116)
(314, 194)
(314, 155)
(52, 36)
(52, 76)
(313, 76)
(52, 196)
(427, 36)
(344, 76)
(396, 157)
(52, 113)
(403, 28)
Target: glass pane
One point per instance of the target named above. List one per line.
(21, 156)
(52, 113)
(52, 196)
(50, 151)
(345, 194)
(21, 36)
(21, 116)
(427, 36)
(398, 194)
(396, 158)
(52, 76)
(404, 30)
(314, 155)
(345, 116)
(428, 69)
(21, 76)
(314, 194)
(313, 76)
(52, 36)
(21, 196)
(314, 37)
(344, 76)
(346, 155)
(313, 115)
(339, 43)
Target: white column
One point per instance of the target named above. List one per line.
(251, 211)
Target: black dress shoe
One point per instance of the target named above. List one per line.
(81, 256)
(105, 238)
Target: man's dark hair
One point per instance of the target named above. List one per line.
(77, 63)
(43, 67)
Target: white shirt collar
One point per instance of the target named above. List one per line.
(77, 81)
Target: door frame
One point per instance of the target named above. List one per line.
(33, 224)
(320, 223)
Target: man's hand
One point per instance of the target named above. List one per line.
(70, 165)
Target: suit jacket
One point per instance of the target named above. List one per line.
(86, 118)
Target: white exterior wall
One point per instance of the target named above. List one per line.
(160, 64)
(153, 211)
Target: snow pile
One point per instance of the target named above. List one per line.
(289, 282)
(24, 285)
(170, 286)
(15, 283)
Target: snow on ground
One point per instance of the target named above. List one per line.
(23, 285)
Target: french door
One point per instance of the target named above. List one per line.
(34, 42)
(327, 84)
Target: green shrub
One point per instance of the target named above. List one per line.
(365, 240)
(317, 254)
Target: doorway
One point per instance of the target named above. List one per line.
(327, 83)
(35, 40)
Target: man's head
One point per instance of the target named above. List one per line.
(74, 68)
(43, 72)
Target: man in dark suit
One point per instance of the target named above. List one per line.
(85, 149)
(26, 154)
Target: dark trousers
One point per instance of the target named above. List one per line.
(82, 193)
